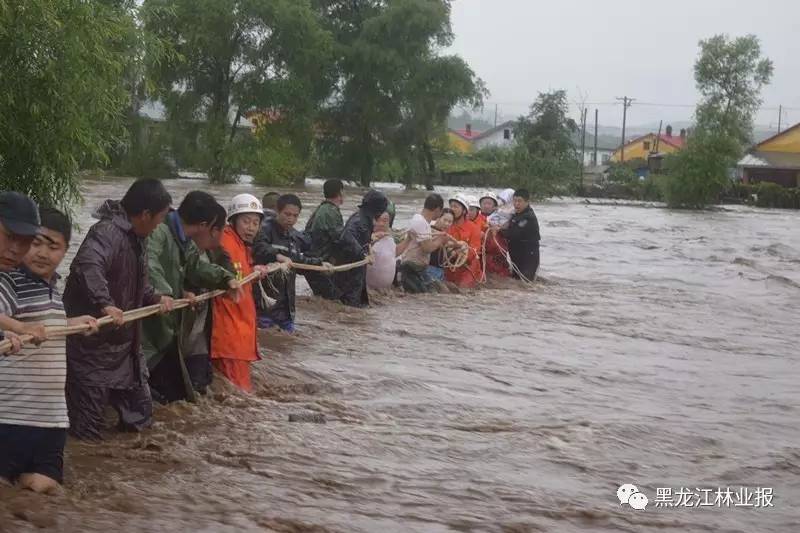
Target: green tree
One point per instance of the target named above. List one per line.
(545, 158)
(436, 85)
(234, 56)
(730, 74)
(394, 90)
(62, 104)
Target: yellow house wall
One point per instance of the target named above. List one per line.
(636, 150)
(458, 144)
(789, 142)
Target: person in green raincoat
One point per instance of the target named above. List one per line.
(175, 255)
(324, 229)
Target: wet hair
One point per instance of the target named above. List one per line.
(198, 207)
(270, 200)
(147, 194)
(289, 199)
(332, 188)
(433, 202)
(522, 193)
(220, 216)
(53, 219)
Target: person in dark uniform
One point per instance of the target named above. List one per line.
(523, 237)
(353, 246)
(278, 241)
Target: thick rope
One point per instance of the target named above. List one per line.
(514, 268)
(133, 315)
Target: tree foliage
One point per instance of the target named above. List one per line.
(394, 91)
(235, 56)
(544, 158)
(698, 174)
(730, 74)
(62, 103)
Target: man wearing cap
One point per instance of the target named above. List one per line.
(19, 224)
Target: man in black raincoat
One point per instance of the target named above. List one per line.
(278, 241)
(107, 277)
(353, 246)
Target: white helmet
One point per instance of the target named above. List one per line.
(463, 199)
(490, 194)
(244, 203)
(474, 202)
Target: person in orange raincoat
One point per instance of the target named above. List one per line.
(476, 215)
(468, 232)
(233, 335)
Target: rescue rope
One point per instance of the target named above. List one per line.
(514, 268)
(54, 332)
(460, 259)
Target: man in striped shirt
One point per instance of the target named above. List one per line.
(33, 411)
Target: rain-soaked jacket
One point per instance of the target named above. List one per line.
(469, 274)
(324, 227)
(175, 261)
(234, 333)
(109, 268)
(272, 240)
(523, 242)
(353, 246)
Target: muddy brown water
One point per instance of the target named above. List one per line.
(659, 349)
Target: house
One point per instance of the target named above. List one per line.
(650, 145)
(775, 160)
(154, 115)
(461, 140)
(501, 136)
(604, 154)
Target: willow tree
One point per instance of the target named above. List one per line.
(229, 57)
(62, 102)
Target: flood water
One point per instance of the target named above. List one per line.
(660, 348)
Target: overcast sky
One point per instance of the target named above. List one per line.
(611, 48)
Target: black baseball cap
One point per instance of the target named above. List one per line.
(19, 214)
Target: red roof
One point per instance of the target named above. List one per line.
(466, 135)
(674, 140)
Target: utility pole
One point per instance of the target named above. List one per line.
(495, 115)
(583, 142)
(657, 146)
(780, 116)
(594, 157)
(626, 103)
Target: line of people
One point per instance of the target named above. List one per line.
(143, 252)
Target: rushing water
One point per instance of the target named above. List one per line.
(659, 348)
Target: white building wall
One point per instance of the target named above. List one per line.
(503, 138)
(602, 156)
